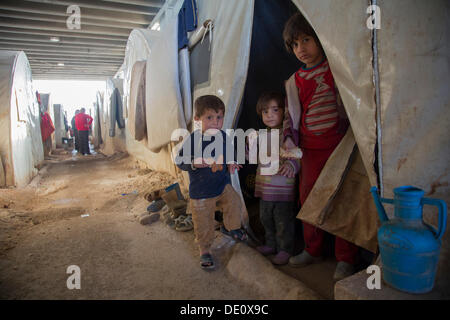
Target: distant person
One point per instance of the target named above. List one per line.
(47, 128)
(83, 122)
(75, 132)
(210, 184)
(276, 191)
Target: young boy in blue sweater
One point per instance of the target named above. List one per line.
(210, 182)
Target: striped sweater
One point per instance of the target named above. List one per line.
(321, 105)
(318, 97)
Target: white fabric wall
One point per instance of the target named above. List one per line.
(230, 52)
(138, 49)
(60, 130)
(7, 59)
(21, 142)
(117, 143)
(164, 111)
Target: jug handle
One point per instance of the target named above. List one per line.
(442, 206)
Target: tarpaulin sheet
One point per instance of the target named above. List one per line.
(136, 123)
(165, 111)
(116, 143)
(138, 49)
(21, 141)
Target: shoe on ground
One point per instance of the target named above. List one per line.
(343, 270)
(207, 261)
(265, 250)
(303, 259)
(156, 205)
(281, 258)
(149, 218)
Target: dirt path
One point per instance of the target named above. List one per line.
(42, 233)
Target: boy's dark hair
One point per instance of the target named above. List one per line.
(206, 102)
(294, 27)
(266, 97)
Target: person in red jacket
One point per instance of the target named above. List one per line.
(83, 122)
(47, 128)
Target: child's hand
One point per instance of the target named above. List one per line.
(289, 144)
(287, 170)
(234, 166)
(216, 167)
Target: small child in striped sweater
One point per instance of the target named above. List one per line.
(276, 192)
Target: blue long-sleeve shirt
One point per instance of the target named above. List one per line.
(203, 182)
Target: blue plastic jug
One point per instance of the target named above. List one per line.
(409, 247)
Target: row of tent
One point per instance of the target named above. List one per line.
(392, 75)
(22, 150)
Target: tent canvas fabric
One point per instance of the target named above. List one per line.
(108, 114)
(21, 147)
(138, 49)
(116, 107)
(97, 123)
(137, 124)
(165, 111)
(60, 131)
(123, 141)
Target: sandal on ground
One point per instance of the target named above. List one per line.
(206, 261)
(237, 234)
(168, 219)
(184, 224)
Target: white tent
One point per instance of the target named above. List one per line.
(59, 123)
(393, 82)
(112, 135)
(138, 49)
(20, 141)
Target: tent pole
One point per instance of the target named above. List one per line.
(378, 104)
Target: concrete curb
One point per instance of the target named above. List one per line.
(252, 269)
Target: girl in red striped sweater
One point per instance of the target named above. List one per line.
(316, 125)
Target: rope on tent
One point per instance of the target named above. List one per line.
(200, 33)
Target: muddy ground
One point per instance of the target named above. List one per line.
(42, 233)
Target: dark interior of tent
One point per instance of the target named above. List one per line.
(270, 65)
